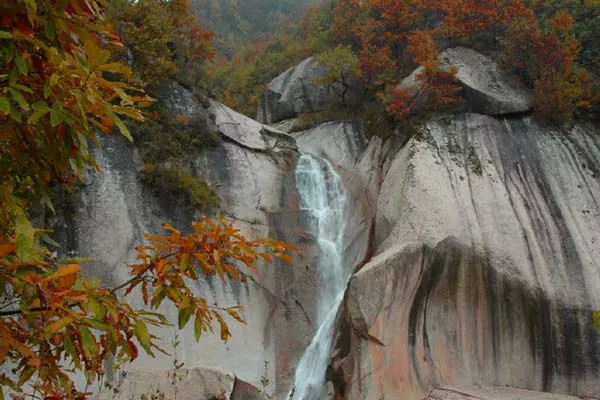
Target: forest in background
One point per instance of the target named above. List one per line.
(550, 45)
(236, 22)
(241, 48)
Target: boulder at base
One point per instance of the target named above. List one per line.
(493, 393)
(185, 384)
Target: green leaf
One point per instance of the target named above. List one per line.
(5, 35)
(4, 105)
(48, 240)
(25, 376)
(69, 346)
(55, 118)
(185, 261)
(94, 323)
(142, 335)
(22, 88)
(21, 65)
(96, 308)
(198, 328)
(596, 319)
(35, 117)
(48, 203)
(158, 297)
(88, 343)
(49, 30)
(184, 316)
(54, 79)
(124, 131)
(47, 89)
(18, 97)
(77, 260)
(40, 105)
(25, 238)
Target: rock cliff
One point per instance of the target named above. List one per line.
(487, 266)
(474, 245)
(485, 234)
(252, 171)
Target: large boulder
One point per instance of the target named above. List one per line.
(487, 268)
(249, 133)
(202, 383)
(182, 384)
(486, 88)
(295, 92)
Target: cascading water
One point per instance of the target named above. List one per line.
(322, 195)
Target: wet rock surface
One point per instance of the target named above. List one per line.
(486, 270)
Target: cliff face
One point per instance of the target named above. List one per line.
(485, 241)
(474, 246)
(252, 171)
(487, 267)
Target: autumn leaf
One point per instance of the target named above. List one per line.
(143, 336)
(88, 343)
(234, 314)
(58, 325)
(64, 271)
(25, 238)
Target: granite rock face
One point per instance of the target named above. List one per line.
(252, 171)
(475, 246)
(340, 142)
(487, 267)
(486, 89)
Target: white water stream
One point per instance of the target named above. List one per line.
(322, 195)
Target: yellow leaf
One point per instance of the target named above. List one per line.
(58, 325)
(234, 314)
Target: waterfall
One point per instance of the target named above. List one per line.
(323, 197)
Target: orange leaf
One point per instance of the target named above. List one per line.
(66, 282)
(266, 257)
(6, 248)
(287, 258)
(145, 292)
(63, 271)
